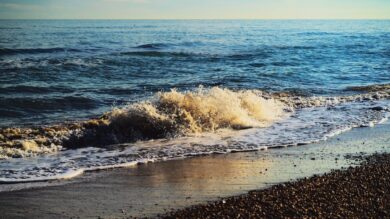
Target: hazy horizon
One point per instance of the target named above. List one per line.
(200, 19)
(199, 10)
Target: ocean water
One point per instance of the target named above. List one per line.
(79, 95)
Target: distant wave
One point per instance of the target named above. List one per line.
(120, 27)
(7, 51)
(10, 28)
(48, 62)
(258, 65)
(248, 55)
(152, 46)
(294, 47)
(318, 33)
(10, 113)
(41, 104)
(157, 54)
(199, 55)
(33, 89)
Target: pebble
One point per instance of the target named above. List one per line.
(356, 192)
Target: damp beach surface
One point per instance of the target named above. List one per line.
(158, 188)
(357, 192)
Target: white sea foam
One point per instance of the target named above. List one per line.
(306, 125)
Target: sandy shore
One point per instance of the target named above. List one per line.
(158, 188)
(358, 192)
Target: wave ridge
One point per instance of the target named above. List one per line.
(7, 51)
(169, 114)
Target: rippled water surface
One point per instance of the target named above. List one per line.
(53, 71)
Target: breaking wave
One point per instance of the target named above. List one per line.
(168, 115)
(172, 114)
(180, 124)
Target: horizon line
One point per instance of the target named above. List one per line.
(195, 19)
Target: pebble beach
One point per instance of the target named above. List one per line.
(356, 192)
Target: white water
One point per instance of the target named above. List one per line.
(305, 126)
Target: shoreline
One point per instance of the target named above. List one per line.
(352, 193)
(153, 189)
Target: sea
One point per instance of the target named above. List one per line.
(85, 95)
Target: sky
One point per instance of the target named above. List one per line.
(194, 9)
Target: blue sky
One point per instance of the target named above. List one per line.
(195, 9)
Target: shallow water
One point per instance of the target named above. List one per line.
(56, 72)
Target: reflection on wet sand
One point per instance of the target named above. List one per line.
(209, 174)
(153, 188)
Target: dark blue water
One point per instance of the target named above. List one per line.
(54, 71)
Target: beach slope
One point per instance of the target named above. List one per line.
(358, 192)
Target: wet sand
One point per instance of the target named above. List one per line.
(358, 192)
(158, 188)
